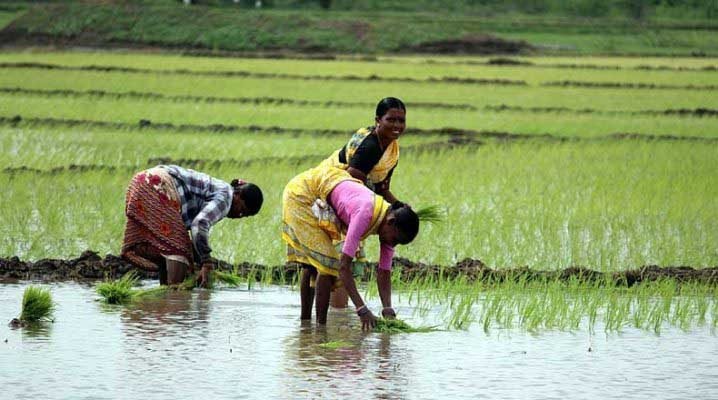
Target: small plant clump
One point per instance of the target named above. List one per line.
(122, 291)
(399, 326)
(37, 305)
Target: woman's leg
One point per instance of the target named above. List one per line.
(306, 290)
(324, 288)
(176, 271)
(340, 298)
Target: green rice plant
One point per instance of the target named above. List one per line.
(119, 291)
(228, 279)
(124, 291)
(431, 214)
(398, 326)
(37, 305)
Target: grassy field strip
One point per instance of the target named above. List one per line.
(47, 148)
(365, 92)
(639, 203)
(349, 63)
(383, 70)
(259, 101)
(131, 111)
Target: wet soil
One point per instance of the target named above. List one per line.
(478, 45)
(90, 266)
(627, 85)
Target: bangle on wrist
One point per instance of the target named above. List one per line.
(362, 311)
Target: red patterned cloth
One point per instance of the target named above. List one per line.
(153, 219)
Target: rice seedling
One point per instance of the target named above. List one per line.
(398, 326)
(124, 291)
(431, 214)
(37, 305)
(118, 291)
(228, 279)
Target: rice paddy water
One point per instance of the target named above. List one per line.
(542, 164)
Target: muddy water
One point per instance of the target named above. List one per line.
(250, 344)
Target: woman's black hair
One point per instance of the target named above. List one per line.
(251, 194)
(386, 103)
(406, 220)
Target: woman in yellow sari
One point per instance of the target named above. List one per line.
(324, 204)
(371, 155)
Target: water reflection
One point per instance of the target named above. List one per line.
(172, 315)
(365, 364)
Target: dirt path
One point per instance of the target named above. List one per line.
(90, 266)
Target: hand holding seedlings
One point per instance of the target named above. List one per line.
(368, 320)
(203, 276)
(388, 313)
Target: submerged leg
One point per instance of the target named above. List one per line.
(306, 290)
(176, 271)
(324, 288)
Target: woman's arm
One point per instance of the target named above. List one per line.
(383, 279)
(357, 173)
(368, 320)
(383, 282)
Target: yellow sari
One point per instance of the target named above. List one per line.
(309, 239)
(382, 168)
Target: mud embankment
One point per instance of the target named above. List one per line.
(90, 266)
(626, 85)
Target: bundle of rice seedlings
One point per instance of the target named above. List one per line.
(226, 278)
(399, 326)
(37, 305)
(122, 291)
(119, 291)
(431, 214)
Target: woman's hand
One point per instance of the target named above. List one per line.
(388, 313)
(203, 276)
(368, 320)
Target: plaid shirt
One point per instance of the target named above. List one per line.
(205, 200)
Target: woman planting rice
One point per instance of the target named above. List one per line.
(321, 205)
(166, 201)
(371, 155)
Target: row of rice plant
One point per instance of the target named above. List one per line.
(347, 118)
(406, 67)
(610, 205)
(558, 305)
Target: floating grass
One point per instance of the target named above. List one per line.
(431, 214)
(399, 326)
(37, 305)
(335, 344)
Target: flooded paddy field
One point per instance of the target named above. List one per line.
(576, 258)
(204, 342)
